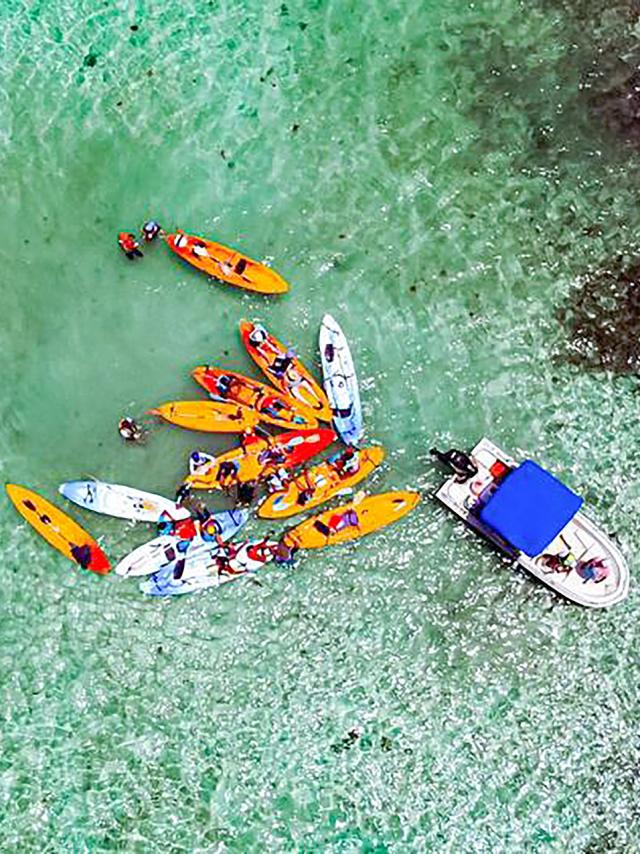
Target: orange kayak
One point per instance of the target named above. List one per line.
(322, 482)
(209, 416)
(272, 406)
(226, 264)
(351, 521)
(284, 369)
(58, 529)
(258, 457)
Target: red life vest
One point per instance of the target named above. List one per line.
(127, 241)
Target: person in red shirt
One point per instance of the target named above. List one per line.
(129, 245)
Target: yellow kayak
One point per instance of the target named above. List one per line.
(226, 264)
(58, 529)
(284, 369)
(273, 406)
(320, 483)
(351, 521)
(257, 457)
(209, 416)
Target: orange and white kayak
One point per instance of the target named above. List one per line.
(320, 483)
(226, 264)
(257, 457)
(58, 529)
(208, 416)
(272, 406)
(284, 369)
(351, 521)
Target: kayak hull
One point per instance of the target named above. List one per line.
(219, 569)
(271, 405)
(261, 458)
(326, 482)
(340, 382)
(58, 529)
(162, 551)
(223, 263)
(295, 380)
(207, 416)
(123, 502)
(373, 513)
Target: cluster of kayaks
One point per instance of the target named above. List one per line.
(282, 425)
(523, 510)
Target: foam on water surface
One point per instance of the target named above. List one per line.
(432, 176)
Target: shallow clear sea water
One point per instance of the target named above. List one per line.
(429, 173)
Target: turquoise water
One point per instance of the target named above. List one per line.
(432, 175)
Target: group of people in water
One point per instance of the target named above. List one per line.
(129, 243)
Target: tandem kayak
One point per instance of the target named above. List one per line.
(318, 484)
(284, 369)
(536, 521)
(226, 264)
(351, 521)
(273, 407)
(250, 462)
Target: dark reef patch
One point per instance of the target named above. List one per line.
(619, 108)
(602, 320)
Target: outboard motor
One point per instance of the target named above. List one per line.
(457, 462)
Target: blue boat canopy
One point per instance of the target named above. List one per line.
(530, 508)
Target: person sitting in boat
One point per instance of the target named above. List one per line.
(307, 490)
(227, 473)
(279, 480)
(198, 461)
(258, 336)
(342, 413)
(224, 384)
(229, 269)
(181, 241)
(338, 522)
(253, 436)
(284, 554)
(150, 230)
(594, 570)
(346, 463)
(199, 249)
(281, 363)
(129, 430)
(129, 245)
(82, 555)
(272, 457)
(271, 405)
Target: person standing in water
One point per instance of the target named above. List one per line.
(129, 430)
(151, 229)
(129, 245)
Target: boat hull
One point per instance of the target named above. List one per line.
(580, 538)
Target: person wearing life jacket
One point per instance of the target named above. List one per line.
(150, 230)
(129, 245)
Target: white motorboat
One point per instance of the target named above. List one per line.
(536, 520)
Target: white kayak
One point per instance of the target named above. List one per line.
(229, 563)
(163, 551)
(340, 382)
(125, 502)
(536, 520)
